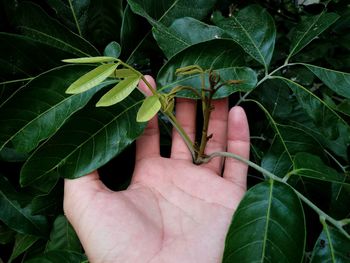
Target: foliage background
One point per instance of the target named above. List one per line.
(292, 126)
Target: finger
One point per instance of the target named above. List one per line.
(148, 144)
(237, 143)
(218, 130)
(186, 116)
(77, 193)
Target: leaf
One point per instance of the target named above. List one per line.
(104, 21)
(87, 141)
(337, 81)
(63, 236)
(87, 60)
(331, 246)
(37, 110)
(334, 136)
(23, 242)
(119, 92)
(113, 49)
(58, 256)
(17, 217)
(177, 37)
(309, 165)
(148, 109)
(268, 226)
(166, 11)
(223, 56)
(308, 29)
(21, 61)
(72, 13)
(39, 26)
(92, 78)
(253, 29)
(6, 234)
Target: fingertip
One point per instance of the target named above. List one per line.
(238, 124)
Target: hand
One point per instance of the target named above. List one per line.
(173, 210)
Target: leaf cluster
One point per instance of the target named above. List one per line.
(292, 58)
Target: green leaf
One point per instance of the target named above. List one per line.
(253, 29)
(113, 49)
(90, 138)
(92, 78)
(7, 235)
(223, 56)
(119, 92)
(17, 217)
(331, 246)
(309, 165)
(22, 244)
(337, 81)
(72, 13)
(58, 256)
(268, 226)
(308, 29)
(335, 136)
(166, 11)
(177, 37)
(148, 109)
(63, 236)
(39, 26)
(37, 110)
(89, 60)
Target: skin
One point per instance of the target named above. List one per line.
(173, 210)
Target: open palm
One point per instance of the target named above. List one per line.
(173, 210)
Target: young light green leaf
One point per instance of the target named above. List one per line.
(309, 165)
(337, 81)
(123, 73)
(268, 226)
(119, 92)
(308, 29)
(91, 79)
(83, 60)
(148, 109)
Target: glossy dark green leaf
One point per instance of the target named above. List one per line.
(166, 11)
(148, 109)
(331, 246)
(36, 111)
(21, 61)
(7, 235)
(113, 49)
(50, 203)
(22, 244)
(104, 22)
(36, 24)
(63, 236)
(278, 158)
(58, 256)
(268, 226)
(72, 13)
(309, 165)
(334, 136)
(223, 56)
(308, 29)
(177, 37)
(337, 81)
(19, 217)
(253, 29)
(91, 79)
(87, 141)
(119, 92)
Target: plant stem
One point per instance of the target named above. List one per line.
(337, 223)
